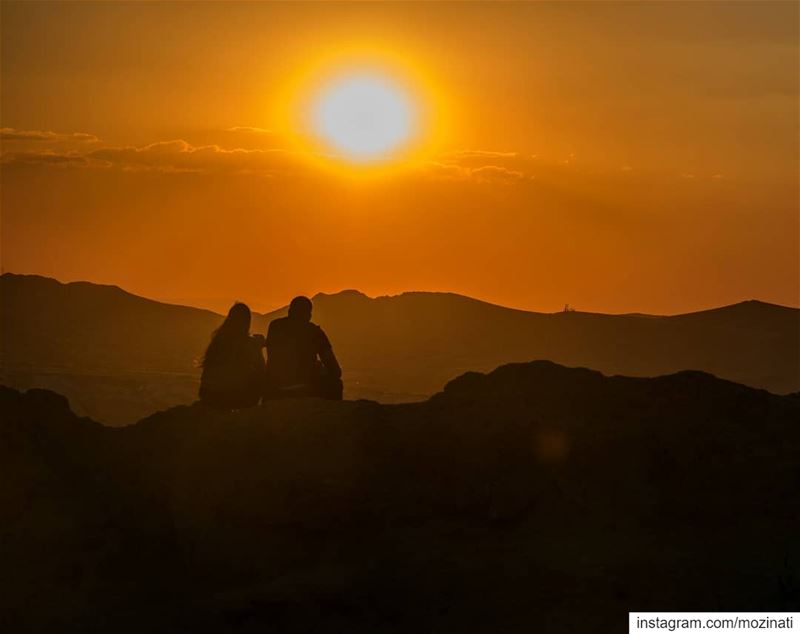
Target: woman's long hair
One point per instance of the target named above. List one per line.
(234, 329)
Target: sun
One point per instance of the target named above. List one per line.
(363, 110)
(364, 117)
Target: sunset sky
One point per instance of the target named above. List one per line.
(631, 157)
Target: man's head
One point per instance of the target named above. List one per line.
(300, 309)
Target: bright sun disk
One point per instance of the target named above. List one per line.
(364, 117)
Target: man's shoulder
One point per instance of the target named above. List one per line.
(319, 335)
(278, 322)
(277, 326)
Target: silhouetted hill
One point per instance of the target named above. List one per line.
(47, 324)
(119, 357)
(534, 498)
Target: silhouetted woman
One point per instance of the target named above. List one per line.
(233, 366)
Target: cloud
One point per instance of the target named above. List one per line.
(495, 173)
(482, 166)
(43, 158)
(249, 130)
(176, 156)
(480, 154)
(12, 134)
(180, 156)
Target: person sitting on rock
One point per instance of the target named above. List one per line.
(300, 359)
(233, 365)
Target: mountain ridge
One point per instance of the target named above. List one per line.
(118, 356)
(352, 292)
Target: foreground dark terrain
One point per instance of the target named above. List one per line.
(119, 357)
(535, 498)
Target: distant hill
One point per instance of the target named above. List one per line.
(77, 326)
(119, 356)
(534, 498)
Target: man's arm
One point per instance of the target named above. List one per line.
(327, 357)
(330, 362)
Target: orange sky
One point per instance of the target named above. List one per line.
(617, 157)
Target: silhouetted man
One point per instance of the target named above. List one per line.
(300, 359)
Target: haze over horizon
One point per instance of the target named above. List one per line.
(616, 157)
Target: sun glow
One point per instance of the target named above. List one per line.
(363, 111)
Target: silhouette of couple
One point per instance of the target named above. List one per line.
(300, 360)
